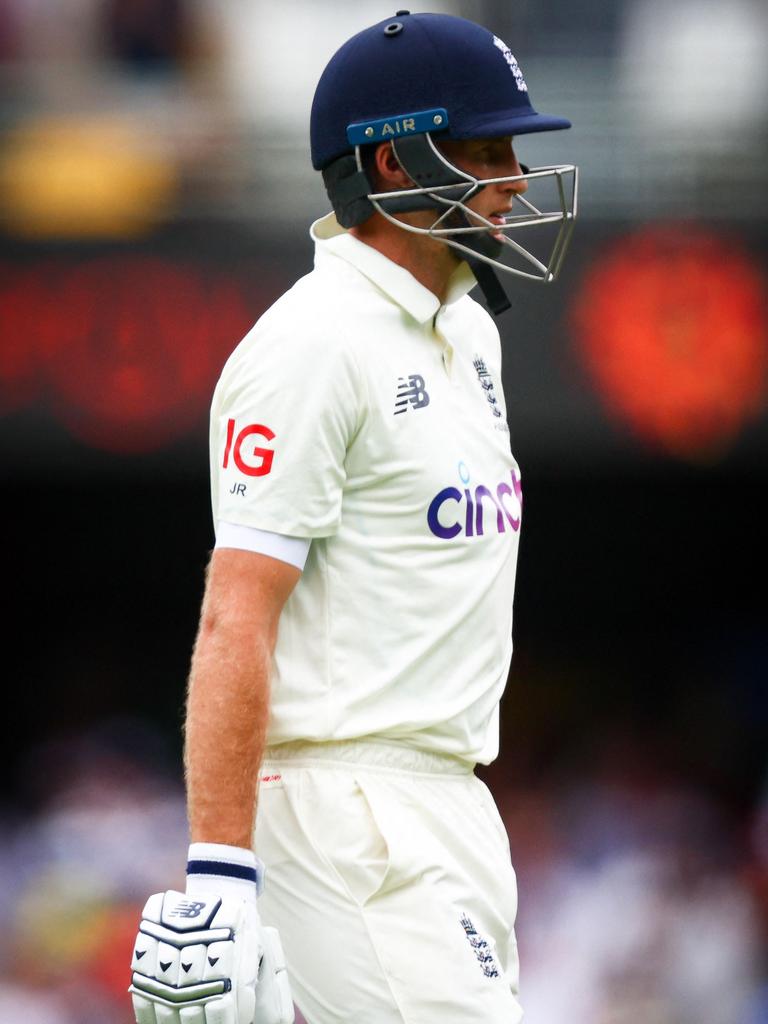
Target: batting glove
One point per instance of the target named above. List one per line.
(203, 957)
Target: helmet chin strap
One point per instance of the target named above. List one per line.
(490, 286)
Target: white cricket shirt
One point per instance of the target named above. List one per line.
(360, 413)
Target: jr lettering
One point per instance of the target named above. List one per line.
(251, 459)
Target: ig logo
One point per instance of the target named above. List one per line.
(263, 456)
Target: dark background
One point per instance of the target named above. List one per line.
(639, 599)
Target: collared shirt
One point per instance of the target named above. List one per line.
(363, 414)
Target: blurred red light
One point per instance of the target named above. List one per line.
(126, 348)
(671, 326)
(23, 298)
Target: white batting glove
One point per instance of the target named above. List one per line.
(203, 957)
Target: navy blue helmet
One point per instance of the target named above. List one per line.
(416, 62)
(412, 80)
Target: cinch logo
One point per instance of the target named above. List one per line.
(505, 501)
(264, 455)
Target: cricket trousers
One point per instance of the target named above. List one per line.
(388, 875)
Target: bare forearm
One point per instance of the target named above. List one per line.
(228, 699)
(227, 712)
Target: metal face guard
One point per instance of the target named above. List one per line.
(551, 201)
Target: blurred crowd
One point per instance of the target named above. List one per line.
(641, 899)
(121, 115)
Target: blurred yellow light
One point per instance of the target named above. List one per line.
(82, 178)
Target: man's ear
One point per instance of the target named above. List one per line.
(389, 174)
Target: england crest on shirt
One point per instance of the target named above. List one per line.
(486, 382)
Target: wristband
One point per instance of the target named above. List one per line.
(231, 866)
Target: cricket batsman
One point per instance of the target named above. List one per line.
(356, 631)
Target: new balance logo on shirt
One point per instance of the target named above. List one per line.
(410, 390)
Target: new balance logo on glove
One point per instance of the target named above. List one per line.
(187, 909)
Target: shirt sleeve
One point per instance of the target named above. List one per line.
(293, 550)
(283, 416)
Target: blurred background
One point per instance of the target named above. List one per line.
(155, 195)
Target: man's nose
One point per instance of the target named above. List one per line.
(515, 169)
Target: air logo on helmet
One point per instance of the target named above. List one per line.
(406, 125)
(362, 132)
(514, 67)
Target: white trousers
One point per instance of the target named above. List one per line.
(389, 878)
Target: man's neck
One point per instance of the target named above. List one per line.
(431, 262)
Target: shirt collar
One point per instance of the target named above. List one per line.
(396, 282)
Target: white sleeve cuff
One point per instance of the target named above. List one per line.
(293, 550)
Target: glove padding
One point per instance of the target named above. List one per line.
(206, 959)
